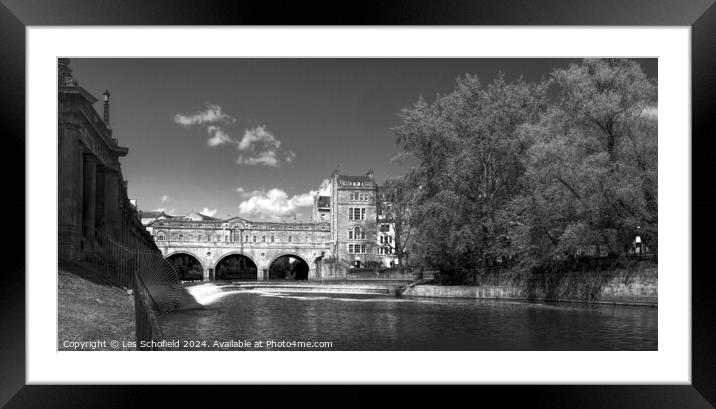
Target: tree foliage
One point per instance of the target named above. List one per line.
(469, 164)
(505, 173)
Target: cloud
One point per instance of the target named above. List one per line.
(217, 136)
(257, 146)
(260, 147)
(207, 212)
(258, 136)
(325, 188)
(275, 203)
(212, 114)
(246, 194)
(266, 158)
(165, 198)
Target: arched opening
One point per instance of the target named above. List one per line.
(188, 266)
(235, 267)
(288, 267)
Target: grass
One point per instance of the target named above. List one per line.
(92, 310)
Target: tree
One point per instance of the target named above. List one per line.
(395, 206)
(591, 168)
(468, 156)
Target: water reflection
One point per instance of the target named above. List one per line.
(369, 322)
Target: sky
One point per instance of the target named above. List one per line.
(256, 138)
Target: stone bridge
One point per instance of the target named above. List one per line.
(263, 255)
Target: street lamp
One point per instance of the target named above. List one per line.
(637, 241)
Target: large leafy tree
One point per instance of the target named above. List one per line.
(591, 168)
(469, 163)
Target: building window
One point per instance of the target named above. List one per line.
(271, 239)
(356, 213)
(162, 237)
(350, 249)
(226, 238)
(356, 234)
(254, 239)
(181, 237)
(289, 239)
(263, 239)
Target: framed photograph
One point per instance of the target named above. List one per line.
(423, 195)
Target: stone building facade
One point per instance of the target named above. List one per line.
(361, 235)
(211, 241)
(92, 194)
(347, 231)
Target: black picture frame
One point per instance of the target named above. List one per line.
(700, 15)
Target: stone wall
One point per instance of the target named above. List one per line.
(609, 287)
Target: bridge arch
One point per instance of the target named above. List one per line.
(280, 267)
(189, 265)
(236, 265)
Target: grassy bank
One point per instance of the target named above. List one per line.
(92, 310)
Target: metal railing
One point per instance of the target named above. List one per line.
(154, 281)
(148, 333)
(157, 289)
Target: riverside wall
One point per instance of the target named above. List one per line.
(603, 287)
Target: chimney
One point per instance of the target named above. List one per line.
(106, 107)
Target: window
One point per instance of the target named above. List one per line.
(356, 234)
(162, 237)
(350, 249)
(289, 239)
(181, 237)
(271, 239)
(356, 213)
(226, 238)
(254, 239)
(263, 239)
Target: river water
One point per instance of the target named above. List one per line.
(377, 322)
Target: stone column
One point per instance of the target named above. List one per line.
(111, 203)
(69, 184)
(89, 202)
(99, 222)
